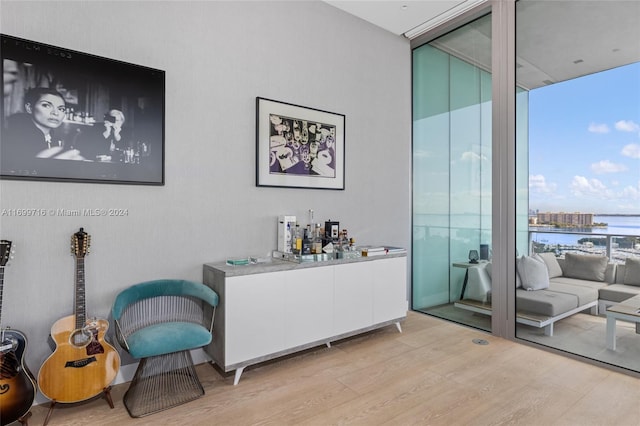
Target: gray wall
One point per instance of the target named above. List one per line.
(218, 56)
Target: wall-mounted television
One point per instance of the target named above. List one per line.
(76, 117)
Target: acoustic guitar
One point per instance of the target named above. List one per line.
(83, 365)
(17, 387)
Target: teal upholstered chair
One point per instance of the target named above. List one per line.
(160, 322)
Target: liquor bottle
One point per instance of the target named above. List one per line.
(317, 241)
(339, 248)
(344, 240)
(296, 241)
(306, 241)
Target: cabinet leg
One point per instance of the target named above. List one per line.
(236, 379)
(328, 344)
(399, 327)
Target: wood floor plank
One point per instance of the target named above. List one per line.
(613, 402)
(430, 374)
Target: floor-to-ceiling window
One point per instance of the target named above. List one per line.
(452, 171)
(578, 61)
(577, 145)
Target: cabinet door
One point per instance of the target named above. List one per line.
(308, 305)
(254, 316)
(353, 300)
(389, 289)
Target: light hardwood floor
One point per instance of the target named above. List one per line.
(431, 374)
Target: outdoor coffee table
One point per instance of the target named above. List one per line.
(628, 310)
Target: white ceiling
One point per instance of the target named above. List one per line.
(556, 40)
(400, 16)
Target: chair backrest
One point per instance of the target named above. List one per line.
(157, 288)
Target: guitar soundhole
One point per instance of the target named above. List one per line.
(80, 338)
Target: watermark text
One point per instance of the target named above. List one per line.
(62, 212)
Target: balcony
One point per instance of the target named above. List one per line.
(616, 247)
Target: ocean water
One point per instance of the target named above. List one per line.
(617, 225)
(459, 225)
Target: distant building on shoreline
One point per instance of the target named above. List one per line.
(565, 219)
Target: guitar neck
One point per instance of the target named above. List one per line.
(5, 254)
(80, 312)
(1, 288)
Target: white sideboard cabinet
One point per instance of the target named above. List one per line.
(273, 309)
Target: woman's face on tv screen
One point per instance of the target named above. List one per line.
(48, 111)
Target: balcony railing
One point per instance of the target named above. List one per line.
(616, 247)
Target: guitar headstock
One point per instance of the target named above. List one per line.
(80, 242)
(5, 252)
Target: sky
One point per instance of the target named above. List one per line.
(584, 144)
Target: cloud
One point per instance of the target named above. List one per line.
(627, 126)
(598, 128)
(632, 150)
(538, 184)
(422, 154)
(606, 166)
(472, 156)
(581, 186)
(631, 193)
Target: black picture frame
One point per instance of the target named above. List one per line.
(299, 147)
(104, 118)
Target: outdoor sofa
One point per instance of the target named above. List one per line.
(549, 289)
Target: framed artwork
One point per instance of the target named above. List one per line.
(298, 147)
(75, 117)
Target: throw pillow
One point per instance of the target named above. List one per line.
(551, 261)
(631, 271)
(585, 266)
(533, 273)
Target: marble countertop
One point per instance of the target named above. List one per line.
(276, 265)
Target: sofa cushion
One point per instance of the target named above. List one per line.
(596, 285)
(585, 266)
(618, 292)
(545, 302)
(533, 273)
(585, 294)
(610, 273)
(632, 271)
(551, 261)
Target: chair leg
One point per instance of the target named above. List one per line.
(162, 382)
